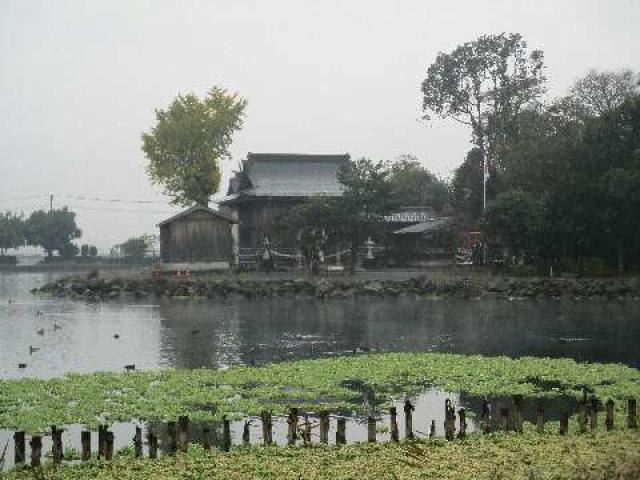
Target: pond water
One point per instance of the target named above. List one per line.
(53, 337)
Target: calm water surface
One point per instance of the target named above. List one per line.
(73, 336)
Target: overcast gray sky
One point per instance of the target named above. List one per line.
(79, 81)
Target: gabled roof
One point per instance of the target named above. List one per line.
(287, 175)
(198, 208)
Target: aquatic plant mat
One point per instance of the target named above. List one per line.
(339, 385)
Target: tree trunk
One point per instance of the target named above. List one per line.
(354, 254)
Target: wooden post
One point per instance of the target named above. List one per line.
(432, 429)
(341, 432)
(631, 414)
(36, 450)
(226, 434)
(564, 423)
(246, 433)
(137, 442)
(517, 413)
(109, 442)
(371, 429)
(267, 428)
(85, 440)
(171, 433)
(56, 444)
(593, 414)
(292, 421)
(324, 427)
(582, 416)
(504, 419)
(485, 420)
(183, 433)
(19, 448)
(393, 414)
(102, 443)
(463, 423)
(153, 445)
(306, 431)
(408, 419)
(449, 420)
(540, 420)
(609, 419)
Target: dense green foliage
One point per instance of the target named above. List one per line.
(136, 246)
(11, 231)
(188, 142)
(33, 404)
(604, 456)
(53, 230)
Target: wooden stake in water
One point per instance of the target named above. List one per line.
(109, 442)
(432, 429)
(449, 420)
(19, 448)
(324, 427)
(582, 416)
(267, 428)
(593, 414)
(504, 419)
(408, 419)
(85, 441)
(631, 413)
(183, 433)
(462, 413)
(564, 423)
(36, 450)
(56, 444)
(137, 442)
(226, 434)
(393, 418)
(153, 445)
(517, 413)
(609, 415)
(306, 431)
(371, 429)
(246, 432)
(486, 416)
(341, 432)
(292, 421)
(540, 420)
(171, 434)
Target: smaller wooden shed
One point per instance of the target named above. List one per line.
(198, 239)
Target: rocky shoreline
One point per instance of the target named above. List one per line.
(340, 288)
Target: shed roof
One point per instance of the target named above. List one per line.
(198, 208)
(287, 175)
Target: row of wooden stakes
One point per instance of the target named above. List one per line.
(178, 432)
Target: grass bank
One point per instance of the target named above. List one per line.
(603, 456)
(335, 384)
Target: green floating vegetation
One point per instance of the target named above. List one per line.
(600, 456)
(332, 383)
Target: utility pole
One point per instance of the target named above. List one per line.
(51, 203)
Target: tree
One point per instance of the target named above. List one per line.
(484, 84)
(136, 246)
(11, 231)
(412, 184)
(351, 218)
(84, 250)
(93, 251)
(53, 230)
(600, 92)
(188, 142)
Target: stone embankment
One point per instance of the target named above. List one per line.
(330, 288)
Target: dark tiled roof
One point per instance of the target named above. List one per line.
(197, 208)
(288, 175)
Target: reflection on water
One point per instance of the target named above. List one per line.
(189, 334)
